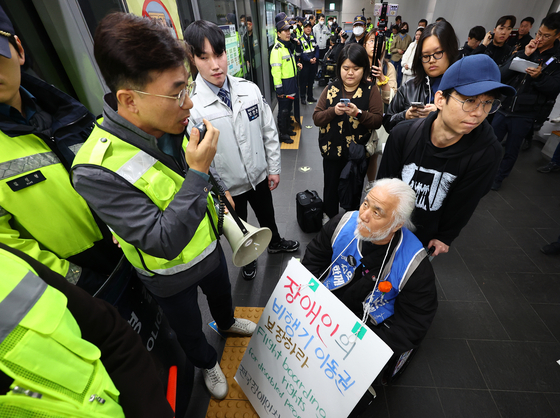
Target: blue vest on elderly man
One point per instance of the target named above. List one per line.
(401, 264)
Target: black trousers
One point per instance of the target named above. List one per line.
(306, 79)
(331, 176)
(260, 200)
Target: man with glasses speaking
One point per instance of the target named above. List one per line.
(450, 157)
(150, 184)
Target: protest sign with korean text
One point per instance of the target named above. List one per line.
(310, 356)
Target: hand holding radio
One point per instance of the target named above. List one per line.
(199, 154)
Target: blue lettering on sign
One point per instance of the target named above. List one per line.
(252, 112)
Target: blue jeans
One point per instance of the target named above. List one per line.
(184, 316)
(398, 69)
(516, 127)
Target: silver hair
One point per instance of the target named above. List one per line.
(407, 200)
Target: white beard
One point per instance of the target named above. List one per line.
(374, 236)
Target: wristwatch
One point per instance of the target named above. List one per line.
(359, 113)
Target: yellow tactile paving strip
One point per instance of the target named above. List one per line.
(236, 404)
(297, 130)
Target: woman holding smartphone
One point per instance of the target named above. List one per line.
(348, 110)
(437, 49)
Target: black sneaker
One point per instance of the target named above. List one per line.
(312, 100)
(496, 185)
(549, 168)
(303, 102)
(551, 249)
(283, 246)
(250, 271)
(286, 139)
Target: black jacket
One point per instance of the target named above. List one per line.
(407, 93)
(535, 97)
(415, 306)
(465, 51)
(499, 54)
(449, 182)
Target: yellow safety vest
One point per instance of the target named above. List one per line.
(56, 373)
(160, 184)
(70, 229)
(283, 64)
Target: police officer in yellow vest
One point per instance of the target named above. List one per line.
(150, 184)
(284, 75)
(369, 25)
(308, 58)
(41, 214)
(52, 336)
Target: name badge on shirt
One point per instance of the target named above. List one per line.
(26, 181)
(252, 112)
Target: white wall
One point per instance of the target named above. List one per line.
(462, 14)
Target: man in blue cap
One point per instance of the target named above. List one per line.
(450, 157)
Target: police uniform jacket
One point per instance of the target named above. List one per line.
(248, 148)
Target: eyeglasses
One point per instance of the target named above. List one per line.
(545, 36)
(437, 56)
(187, 91)
(470, 105)
(371, 41)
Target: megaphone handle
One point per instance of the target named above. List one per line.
(228, 205)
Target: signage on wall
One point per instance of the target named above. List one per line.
(162, 10)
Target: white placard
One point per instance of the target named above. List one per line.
(310, 356)
(520, 65)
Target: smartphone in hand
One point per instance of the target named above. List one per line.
(345, 102)
(418, 105)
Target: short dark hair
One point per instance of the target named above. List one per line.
(502, 20)
(552, 22)
(441, 19)
(493, 93)
(129, 48)
(478, 33)
(330, 18)
(241, 17)
(399, 17)
(198, 31)
(423, 21)
(448, 41)
(529, 19)
(320, 15)
(368, 18)
(357, 55)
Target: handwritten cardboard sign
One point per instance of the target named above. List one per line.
(310, 356)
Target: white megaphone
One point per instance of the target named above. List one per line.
(246, 245)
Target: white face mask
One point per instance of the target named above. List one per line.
(291, 30)
(330, 23)
(358, 30)
(334, 20)
(321, 22)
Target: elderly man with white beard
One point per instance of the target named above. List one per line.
(378, 268)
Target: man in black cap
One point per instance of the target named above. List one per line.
(41, 129)
(358, 31)
(284, 75)
(299, 28)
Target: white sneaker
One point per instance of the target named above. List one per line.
(242, 327)
(325, 218)
(216, 382)
(555, 120)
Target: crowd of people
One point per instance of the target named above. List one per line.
(144, 182)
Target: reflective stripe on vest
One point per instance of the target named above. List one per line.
(160, 184)
(28, 163)
(19, 302)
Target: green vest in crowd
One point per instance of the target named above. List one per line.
(49, 211)
(160, 184)
(56, 373)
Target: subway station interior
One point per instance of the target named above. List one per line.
(493, 349)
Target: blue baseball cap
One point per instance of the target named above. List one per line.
(6, 30)
(283, 25)
(474, 75)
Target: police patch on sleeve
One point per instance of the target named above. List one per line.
(252, 112)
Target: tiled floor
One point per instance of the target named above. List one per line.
(493, 347)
